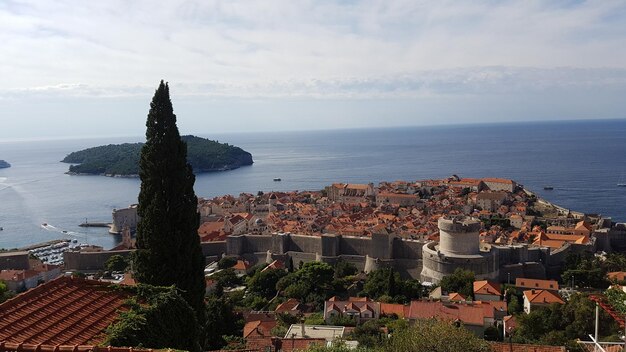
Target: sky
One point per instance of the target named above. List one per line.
(90, 68)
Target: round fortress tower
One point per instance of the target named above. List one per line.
(458, 247)
(459, 235)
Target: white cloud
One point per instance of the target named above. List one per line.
(334, 50)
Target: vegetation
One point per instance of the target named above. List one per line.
(587, 270)
(4, 292)
(123, 159)
(386, 285)
(221, 322)
(226, 262)
(461, 281)
(313, 283)
(435, 335)
(117, 263)
(157, 318)
(168, 247)
(561, 324)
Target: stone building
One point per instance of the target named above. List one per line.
(458, 247)
(124, 217)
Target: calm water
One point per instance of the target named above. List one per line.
(582, 160)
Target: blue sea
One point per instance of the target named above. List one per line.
(582, 160)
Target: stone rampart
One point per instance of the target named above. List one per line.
(90, 261)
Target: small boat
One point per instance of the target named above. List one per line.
(44, 224)
(277, 180)
(548, 188)
(621, 185)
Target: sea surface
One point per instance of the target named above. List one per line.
(582, 160)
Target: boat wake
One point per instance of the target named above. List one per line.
(52, 228)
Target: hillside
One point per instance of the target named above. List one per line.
(123, 159)
(4, 164)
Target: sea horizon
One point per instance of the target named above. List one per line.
(582, 160)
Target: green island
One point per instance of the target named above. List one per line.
(4, 164)
(122, 160)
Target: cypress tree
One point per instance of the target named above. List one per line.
(168, 247)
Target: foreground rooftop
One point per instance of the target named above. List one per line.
(64, 311)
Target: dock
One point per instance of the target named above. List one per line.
(95, 224)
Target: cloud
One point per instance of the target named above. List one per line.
(423, 84)
(401, 59)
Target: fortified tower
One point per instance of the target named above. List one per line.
(458, 247)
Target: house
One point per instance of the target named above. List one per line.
(516, 221)
(540, 298)
(490, 201)
(537, 284)
(66, 311)
(474, 185)
(500, 184)
(471, 315)
(456, 297)
(242, 267)
(291, 306)
(487, 291)
(326, 332)
(350, 193)
(616, 276)
(394, 309)
(20, 280)
(359, 308)
(555, 241)
(518, 347)
(400, 199)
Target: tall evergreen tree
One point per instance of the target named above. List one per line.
(168, 247)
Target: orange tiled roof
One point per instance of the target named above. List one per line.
(64, 311)
(497, 180)
(485, 287)
(537, 284)
(542, 296)
(467, 313)
(393, 308)
(15, 347)
(454, 296)
(518, 347)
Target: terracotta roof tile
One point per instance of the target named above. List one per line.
(64, 311)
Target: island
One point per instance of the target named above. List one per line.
(4, 164)
(122, 160)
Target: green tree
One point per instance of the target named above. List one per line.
(226, 262)
(344, 268)
(4, 292)
(461, 281)
(163, 319)
(387, 285)
(435, 336)
(311, 283)
(116, 263)
(263, 283)
(369, 334)
(168, 246)
(220, 322)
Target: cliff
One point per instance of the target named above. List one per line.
(123, 159)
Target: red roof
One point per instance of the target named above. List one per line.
(518, 347)
(542, 296)
(467, 313)
(485, 287)
(64, 311)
